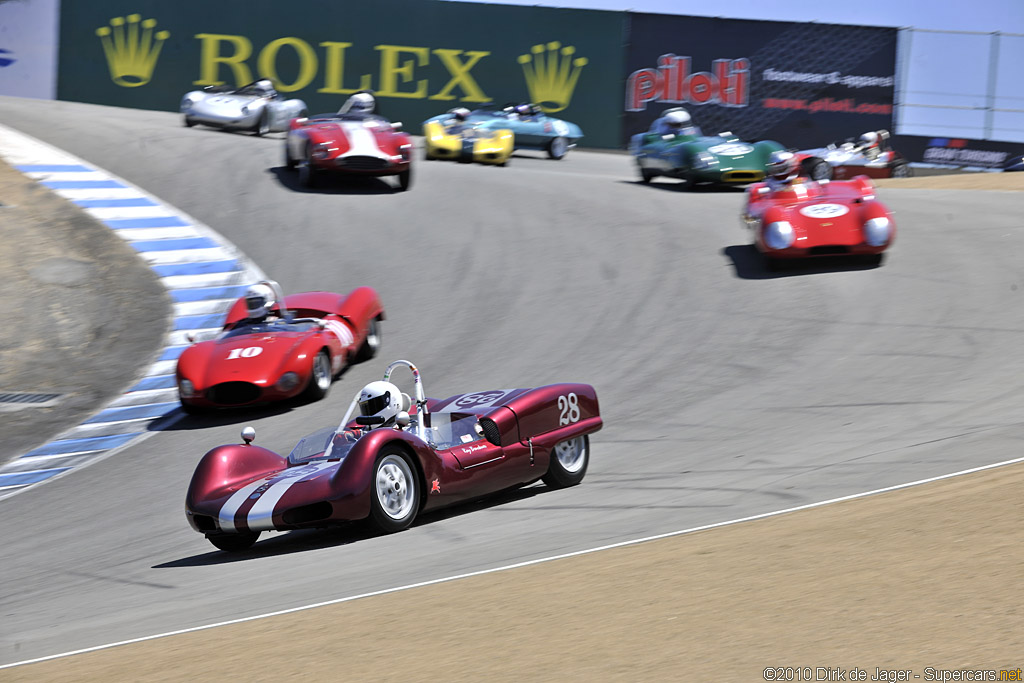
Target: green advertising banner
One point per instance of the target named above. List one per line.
(420, 57)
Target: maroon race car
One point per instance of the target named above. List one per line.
(348, 143)
(300, 344)
(822, 218)
(445, 452)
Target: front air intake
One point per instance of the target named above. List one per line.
(233, 393)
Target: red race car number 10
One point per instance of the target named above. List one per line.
(570, 409)
(247, 352)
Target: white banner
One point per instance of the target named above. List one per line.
(28, 48)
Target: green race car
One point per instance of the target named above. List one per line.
(684, 153)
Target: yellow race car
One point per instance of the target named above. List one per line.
(451, 136)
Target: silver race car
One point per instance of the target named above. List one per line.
(257, 107)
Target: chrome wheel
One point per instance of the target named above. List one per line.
(571, 454)
(396, 488)
(322, 371)
(558, 148)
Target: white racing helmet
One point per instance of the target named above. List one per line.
(460, 113)
(782, 166)
(676, 119)
(380, 399)
(360, 103)
(259, 300)
(264, 87)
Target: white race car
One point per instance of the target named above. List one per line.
(255, 107)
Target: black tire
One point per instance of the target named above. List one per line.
(288, 161)
(394, 490)
(189, 122)
(405, 179)
(645, 174)
(263, 125)
(901, 169)
(568, 463)
(308, 173)
(371, 345)
(817, 169)
(192, 409)
(320, 377)
(558, 148)
(233, 543)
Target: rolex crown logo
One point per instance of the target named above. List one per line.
(132, 48)
(551, 74)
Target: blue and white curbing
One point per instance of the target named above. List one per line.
(203, 273)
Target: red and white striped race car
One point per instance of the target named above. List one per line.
(294, 346)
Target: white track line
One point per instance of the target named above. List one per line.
(447, 579)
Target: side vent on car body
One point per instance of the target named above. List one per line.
(491, 432)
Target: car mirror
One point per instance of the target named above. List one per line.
(321, 323)
(402, 419)
(763, 190)
(248, 435)
(396, 125)
(667, 136)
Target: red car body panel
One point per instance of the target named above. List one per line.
(245, 488)
(238, 369)
(828, 218)
(363, 147)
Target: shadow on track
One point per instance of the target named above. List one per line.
(303, 540)
(750, 265)
(337, 183)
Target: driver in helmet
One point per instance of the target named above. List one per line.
(382, 401)
(870, 145)
(264, 88)
(524, 111)
(782, 170)
(674, 121)
(456, 118)
(259, 300)
(361, 104)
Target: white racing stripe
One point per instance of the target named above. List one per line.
(230, 508)
(362, 141)
(261, 515)
(341, 331)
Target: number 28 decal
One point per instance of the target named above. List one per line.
(570, 409)
(247, 352)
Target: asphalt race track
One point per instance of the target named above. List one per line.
(727, 391)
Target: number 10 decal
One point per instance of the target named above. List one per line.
(570, 409)
(247, 352)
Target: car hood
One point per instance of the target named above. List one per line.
(822, 221)
(235, 359)
(224, 105)
(356, 138)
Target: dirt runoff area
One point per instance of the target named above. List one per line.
(916, 584)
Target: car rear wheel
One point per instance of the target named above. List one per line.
(263, 125)
(233, 543)
(394, 492)
(405, 179)
(645, 175)
(816, 169)
(189, 122)
(568, 464)
(901, 169)
(558, 148)
(372, 342)
(319, 377)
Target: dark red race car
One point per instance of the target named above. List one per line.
(296, 347)
(348, 143)
(445, 452)
(823, 218)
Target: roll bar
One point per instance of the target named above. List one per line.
(423, 423)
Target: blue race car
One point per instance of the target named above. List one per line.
(532, 128)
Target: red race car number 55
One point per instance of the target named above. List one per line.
(570, 409)
(247, 352)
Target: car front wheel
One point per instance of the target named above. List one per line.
(558, 148)
(394, 491)
(233, 543)
(319, 377)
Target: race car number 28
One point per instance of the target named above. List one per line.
(569, 406)
(247, 352)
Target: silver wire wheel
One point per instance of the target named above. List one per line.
(319, 377)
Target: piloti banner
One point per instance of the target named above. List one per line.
(802, 84)
(421, 57)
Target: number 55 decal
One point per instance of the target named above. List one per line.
(570, 409)
(247, 352)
